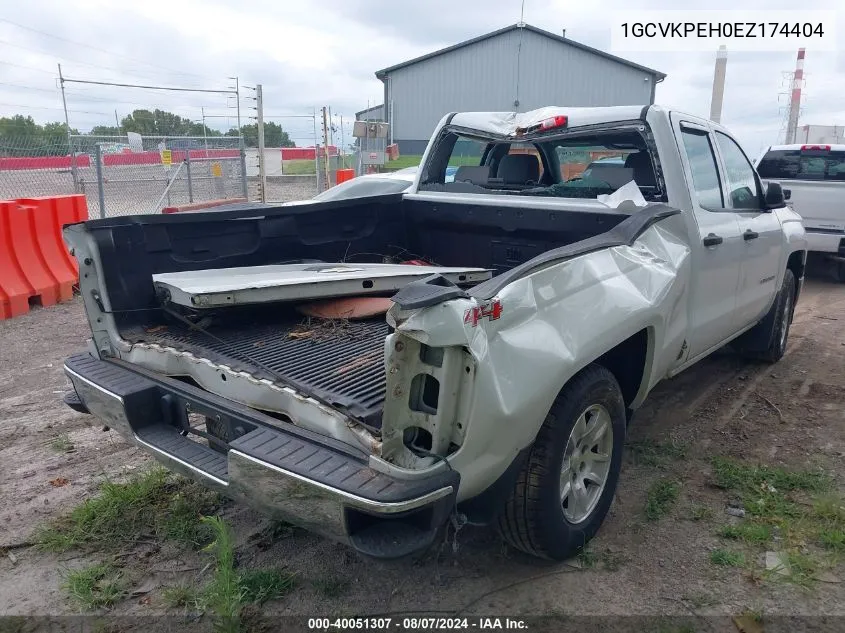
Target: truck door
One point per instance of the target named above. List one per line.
(714, 239)
(761, 233)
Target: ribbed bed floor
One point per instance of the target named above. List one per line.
(340, 362)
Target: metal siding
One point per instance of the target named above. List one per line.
(482, 77)
(376, 113)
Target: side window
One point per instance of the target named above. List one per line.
(742, 183)
(702, 162)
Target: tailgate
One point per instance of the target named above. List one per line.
(820, 203)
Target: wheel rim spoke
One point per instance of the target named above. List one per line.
(586, 463)
(597, 429)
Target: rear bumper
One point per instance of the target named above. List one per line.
(286, 472)
(826, 241)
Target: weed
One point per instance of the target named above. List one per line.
(725, 558)
(261, 585)
(731, 474)
(331, 587)
(832, 538)
(656, 454)
(587, 558)
(660, 498)
(184, 596)
(62, 444)
(748, 532)
(802, 569)
(224, 594)
(152, 501)
(94, 586)
(701, 513)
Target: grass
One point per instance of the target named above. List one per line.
(655, 454)
(725, 558)
(95, 586)
(181, 596)
(230, 591)
(151, 502)
(331, 587)
(261, 585)
(776, 500)
(660, 498)
(700, 512)
(62, 444)
(747, 532)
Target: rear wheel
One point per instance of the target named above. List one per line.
(767, 340)
(567, 485)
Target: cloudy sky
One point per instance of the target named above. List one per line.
(308, 54)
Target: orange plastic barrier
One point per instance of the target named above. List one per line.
(199, 206)
(35, 264)
(342, 175)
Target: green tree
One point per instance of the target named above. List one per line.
(22, 136)
(274, 135)
(106, 130)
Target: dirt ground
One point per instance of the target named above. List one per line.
(791, 414)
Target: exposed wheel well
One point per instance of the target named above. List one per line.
(796, 264)
(626, 362)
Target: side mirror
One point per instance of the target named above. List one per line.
(787, 194)
(775, 198)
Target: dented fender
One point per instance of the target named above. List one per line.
(523, 345)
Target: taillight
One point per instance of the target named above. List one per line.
(815, 148)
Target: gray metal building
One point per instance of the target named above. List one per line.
(519, 67)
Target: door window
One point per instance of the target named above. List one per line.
(702, 163)
(742, 182)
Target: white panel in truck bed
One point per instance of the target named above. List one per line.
(294, 282)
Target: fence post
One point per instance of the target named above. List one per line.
(188, 168)
(243, 171)
(101, 197)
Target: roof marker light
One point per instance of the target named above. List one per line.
(821, 148)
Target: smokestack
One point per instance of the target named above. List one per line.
(718, 84)
(795, 101)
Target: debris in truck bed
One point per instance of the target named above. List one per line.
(318, 329)
(373, 356)
(347, 308)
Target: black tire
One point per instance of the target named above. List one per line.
(839, 271)
(533, 518)
(767, 340)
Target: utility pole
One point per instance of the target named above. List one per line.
(204, 130)
(241, 138)
(342, 140)
(116, 121)
(74, 175)
(327, 182)
(262, 168)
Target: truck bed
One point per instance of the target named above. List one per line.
(340, 362)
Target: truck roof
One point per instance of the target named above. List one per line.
(506, 123)
(797, 146)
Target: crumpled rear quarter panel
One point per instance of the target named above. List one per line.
(555, 322)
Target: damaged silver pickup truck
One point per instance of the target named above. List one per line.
(470, 349)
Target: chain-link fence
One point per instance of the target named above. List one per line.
(123, 176)
(34, 166)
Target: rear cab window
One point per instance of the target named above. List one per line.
(809, 162)
(570, 165)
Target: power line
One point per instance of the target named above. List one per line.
(120, 85)
(32, 107)
(25, 87)
(40, 70)
(102, 50)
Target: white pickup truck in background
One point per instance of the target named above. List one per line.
(815, 176)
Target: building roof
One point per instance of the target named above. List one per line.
(370, 109)
(659, 75)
